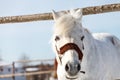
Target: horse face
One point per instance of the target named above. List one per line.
(65, 43)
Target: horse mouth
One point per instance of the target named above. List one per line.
(71, 78)
(83, 72)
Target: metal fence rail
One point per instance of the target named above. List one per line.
(25, 74)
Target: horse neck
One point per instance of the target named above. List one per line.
(89, 42)
(89, 56)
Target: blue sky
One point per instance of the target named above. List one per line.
(32, 38)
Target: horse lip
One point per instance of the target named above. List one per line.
(82, 72)
(71, 78)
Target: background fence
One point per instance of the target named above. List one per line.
(25, 73)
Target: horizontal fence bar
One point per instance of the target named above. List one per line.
(3, 65)
(25, 74)
(39, 60)
(48, 16)
(26, 61)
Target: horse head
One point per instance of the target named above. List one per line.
(68, 43)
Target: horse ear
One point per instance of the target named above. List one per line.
(56, 15)
(77, 14)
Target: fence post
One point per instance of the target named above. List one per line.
(13, 70)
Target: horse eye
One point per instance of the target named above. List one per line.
(82, 38)
(57, 38)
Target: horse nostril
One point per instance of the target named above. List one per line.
(78, 67)
(67, 67)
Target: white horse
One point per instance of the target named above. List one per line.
(81, 55)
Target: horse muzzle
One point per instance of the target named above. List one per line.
(72, 68)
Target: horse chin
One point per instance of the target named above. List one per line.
(71, 77)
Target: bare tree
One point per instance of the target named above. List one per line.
(1, 55)
(24, 57)
(1, 58)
